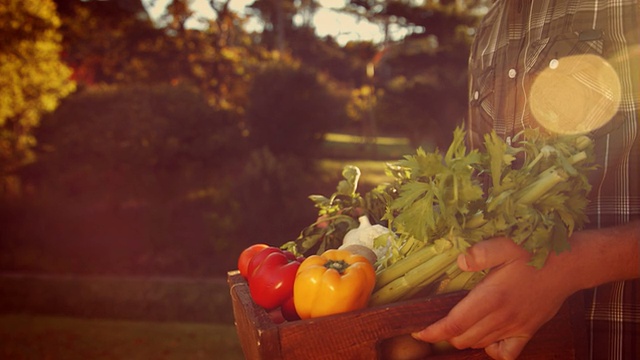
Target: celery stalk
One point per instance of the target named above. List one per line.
(475, 221)
(460, 282)
(415, 279)
(583, 142)
(581, 156)
(411, 261)
(537, 189)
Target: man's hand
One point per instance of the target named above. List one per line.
(506, 308)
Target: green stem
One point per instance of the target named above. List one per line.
(408, 246)
(415, 279)
(541, 186)
(411, 261)
(465, 280)
(583, 142)
(475, 221)
(581, 156)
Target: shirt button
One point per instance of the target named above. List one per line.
(512, 73)
(553, 64)
(476, 95)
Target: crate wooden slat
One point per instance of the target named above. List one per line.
(358, 334)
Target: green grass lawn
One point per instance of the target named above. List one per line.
(52, 337)
(373, 171)
(99, 317)
(351, 146)
(371, 158)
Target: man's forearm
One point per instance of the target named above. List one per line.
(600, 256)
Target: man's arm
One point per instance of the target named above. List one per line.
(514, 300)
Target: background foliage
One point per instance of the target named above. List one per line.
(292, 107)
(176, 146)
(144, 143)
(32, 82)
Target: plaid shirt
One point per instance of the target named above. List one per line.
(516, 40)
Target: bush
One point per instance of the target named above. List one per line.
(125, 183)
(135, 143)
(271, 196)
(291, 109)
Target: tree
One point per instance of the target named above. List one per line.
(220, 58)
(425, 17)
(375, 11)
(33, 78)
(421, 81)
(113, 41)
(277, 16)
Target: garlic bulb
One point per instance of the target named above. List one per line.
(365, 234)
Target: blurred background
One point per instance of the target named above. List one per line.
(145, 143)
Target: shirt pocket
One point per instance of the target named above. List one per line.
(546, 52)
(542, 53)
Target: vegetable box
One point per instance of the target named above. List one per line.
(360, 334)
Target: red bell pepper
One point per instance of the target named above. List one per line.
(245, 258)
(262, 254)
(271, 281)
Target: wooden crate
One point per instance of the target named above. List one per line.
(358, 334)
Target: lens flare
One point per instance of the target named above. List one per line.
(575, 94)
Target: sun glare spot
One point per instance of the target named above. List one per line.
(575, 94)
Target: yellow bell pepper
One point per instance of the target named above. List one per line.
(334, 282)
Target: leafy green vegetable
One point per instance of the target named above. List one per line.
(533, 192)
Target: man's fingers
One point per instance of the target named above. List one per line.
(460, 318)
(507, 349)
(468, 312)
(480, 334)
(439, 331)
(470, 323)
(490, 253)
